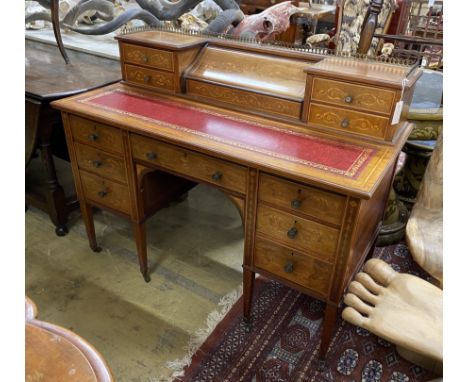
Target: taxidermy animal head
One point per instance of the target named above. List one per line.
(266, 25)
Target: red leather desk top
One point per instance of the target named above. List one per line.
(340, 158)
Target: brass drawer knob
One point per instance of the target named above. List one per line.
(97, 163)
(145, 59)
(147, 79)
(296, 203)
(348, 99)
(93, 137)
(102, 193)
(292, 232)
(217, 176)
(151, 155)
(289, 267)
(345, 123)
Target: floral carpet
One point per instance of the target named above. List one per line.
(285, 337)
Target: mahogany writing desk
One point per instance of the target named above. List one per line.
(305, 148)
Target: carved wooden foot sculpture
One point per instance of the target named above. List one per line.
(401, 308)
(424, 232)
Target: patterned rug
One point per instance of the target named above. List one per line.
(285, 337)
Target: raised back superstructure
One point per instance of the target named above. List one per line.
(355, 96)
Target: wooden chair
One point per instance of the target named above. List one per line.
(419, 36)
(356, 23)
(54, 353)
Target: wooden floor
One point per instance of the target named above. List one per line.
(195, 252)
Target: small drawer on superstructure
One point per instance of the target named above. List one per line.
(96, 134)
(100, 162)
(150, 77)
(366, 98)
(293, 266)
(105, 192)
(307, 236)
(348, 120)
(319, 204)
(198, 166)
(154, 58)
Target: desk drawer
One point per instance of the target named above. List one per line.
(311, 201)
(365, 98)
(304, 235)
(149, 77)
(155, 58)
(99, 162)
(293, 266)
(96, 134)
(185, 162)
(106, 192)
(347, 120)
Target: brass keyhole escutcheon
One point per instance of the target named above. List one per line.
(93, 137)
(151, 155)
(217, 176)
(147, 78)
(289, 267)
(296, 203)
(292, 232)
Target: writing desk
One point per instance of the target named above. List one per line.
(311, 183)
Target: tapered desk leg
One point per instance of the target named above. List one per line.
(327, 330)
(87, 214)
(139, 231)
(249, 280)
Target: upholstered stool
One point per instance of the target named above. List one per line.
(401, 308)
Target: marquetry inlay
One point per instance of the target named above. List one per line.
(362, 123)
(148, 56)
(351, 95)
(150, 77)
(245, 99)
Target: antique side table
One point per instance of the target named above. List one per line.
(48, 78)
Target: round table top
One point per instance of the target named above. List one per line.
(51, 357)
(49, 77)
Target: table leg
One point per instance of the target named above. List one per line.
(248, 284)
(139, 232)
(87, 214)
(327, 331)
(55, 195)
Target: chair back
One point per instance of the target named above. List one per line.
(360, 19)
